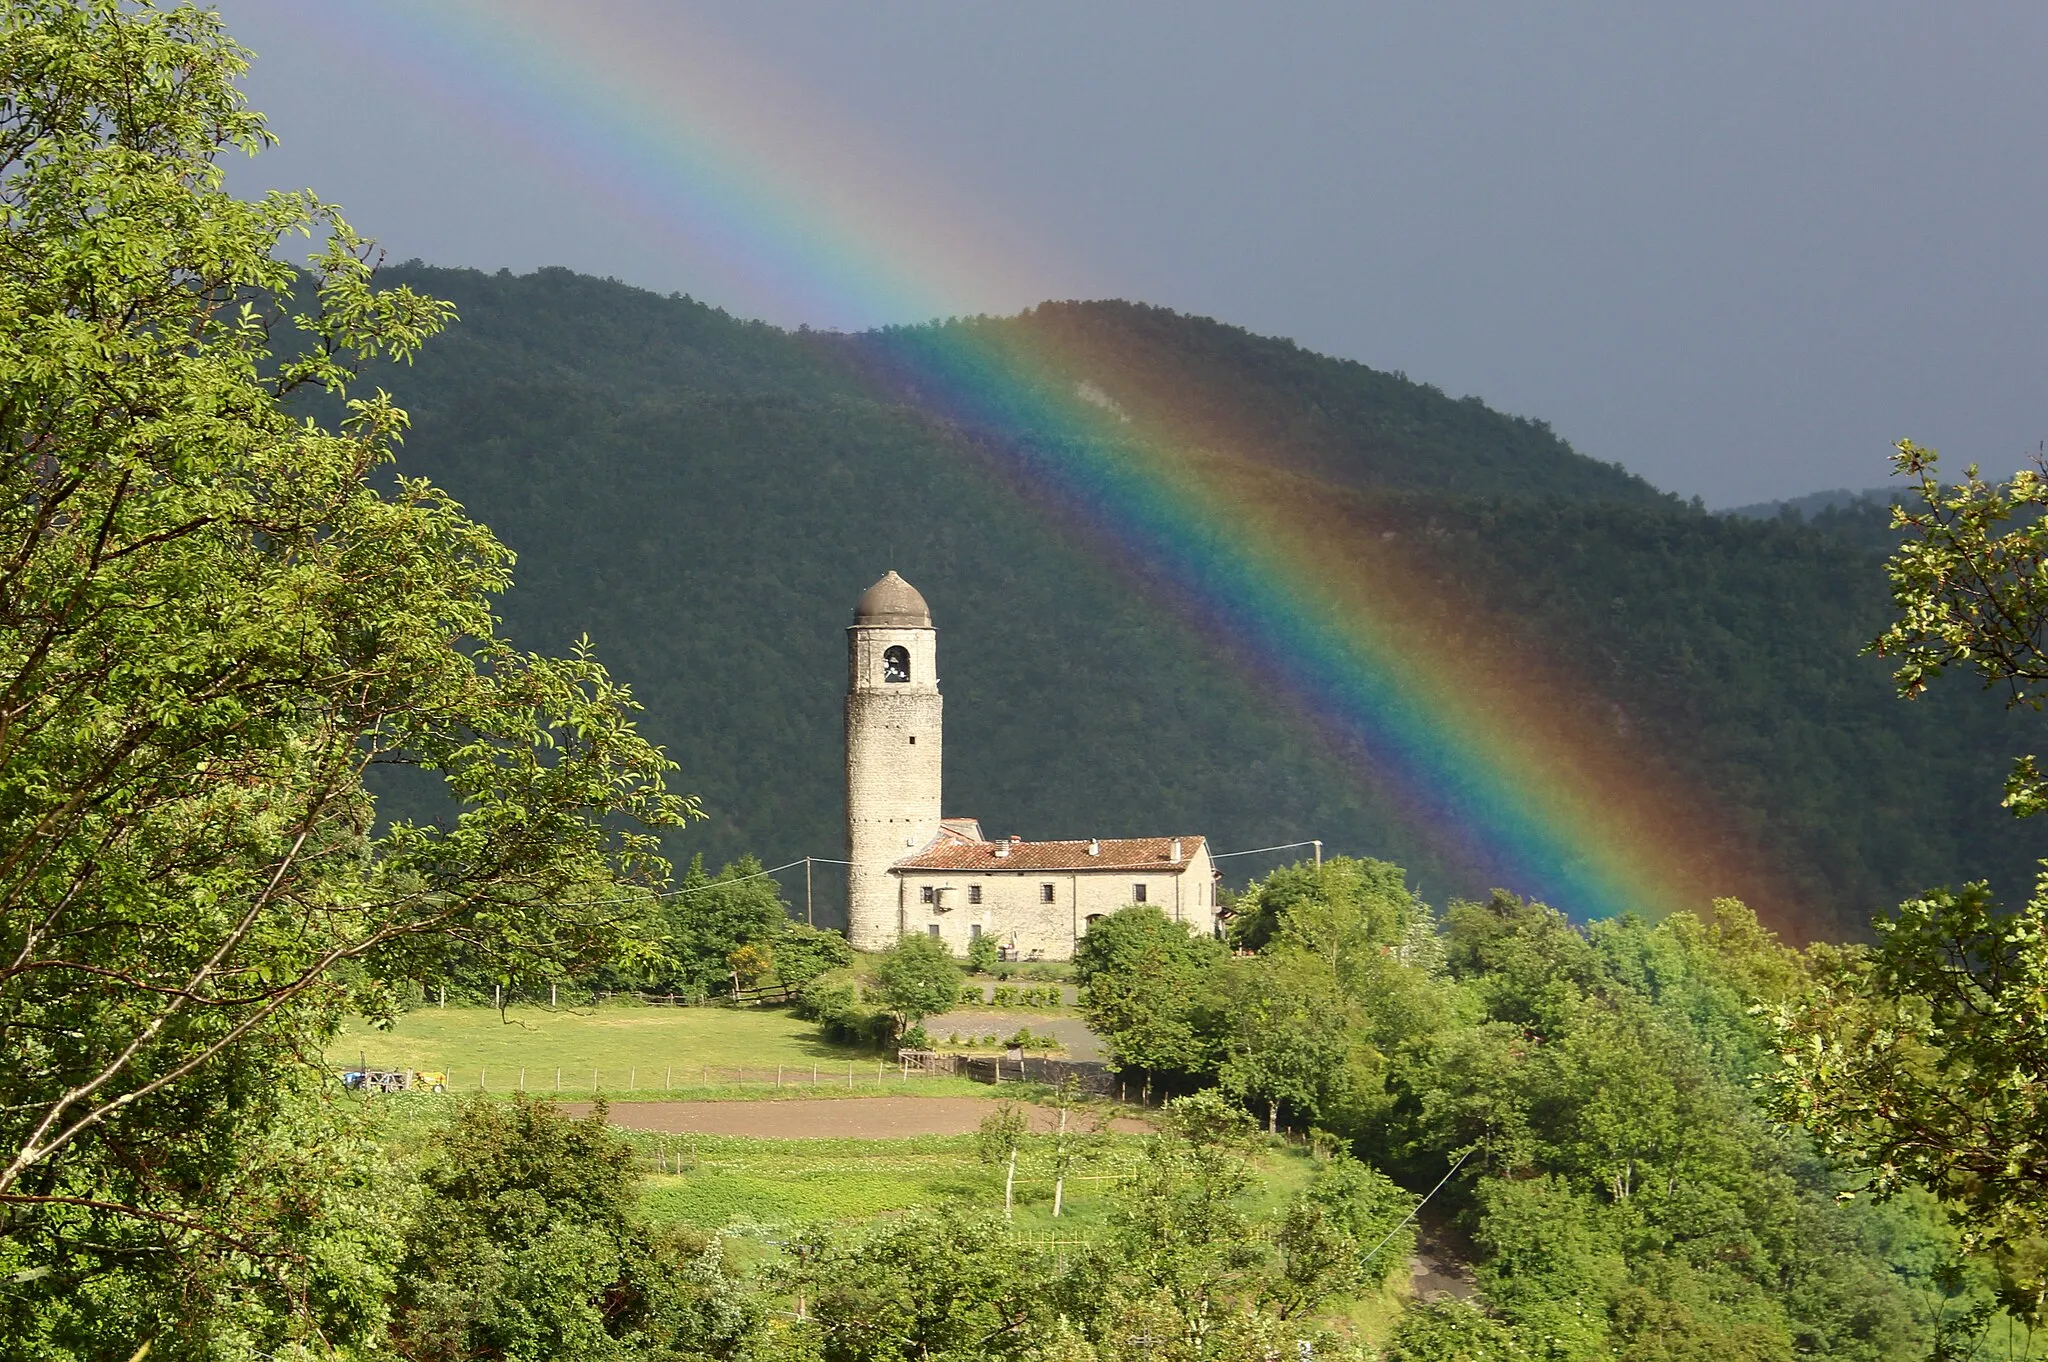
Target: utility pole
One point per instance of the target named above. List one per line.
(1318, 844)
(809, 921)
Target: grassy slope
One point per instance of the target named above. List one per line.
(630, 1052)
(611, 1039)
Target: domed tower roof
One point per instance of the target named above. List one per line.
(893, 602)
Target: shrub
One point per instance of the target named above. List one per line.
(802, 953)
(828, 995)
(917, 979)
(750, 963)
(981, 954)
(535, 1249)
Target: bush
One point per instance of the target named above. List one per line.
(1025, 1038)
(981, 954)
(534, 1248)
(803, 952)
(828, 995)
(971, 995)
(917, 979)
(833, 1000)
(1451, 1331)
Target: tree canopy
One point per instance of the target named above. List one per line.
(1925, 1060)
(215, 616)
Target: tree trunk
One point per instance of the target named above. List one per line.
(1010, 1187)
(1272, 1117)
(1059, 1183)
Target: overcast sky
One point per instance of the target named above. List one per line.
(1739, 248)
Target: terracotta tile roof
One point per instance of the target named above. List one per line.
(1116, 853)
(965, 829)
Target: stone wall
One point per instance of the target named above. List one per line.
(1013, 910)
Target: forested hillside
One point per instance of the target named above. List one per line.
(705, 497)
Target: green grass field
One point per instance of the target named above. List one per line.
(626, 1050)
(757, 1186)
(760, 1190)
(625, 1046)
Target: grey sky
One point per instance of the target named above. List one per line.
(1736, 247)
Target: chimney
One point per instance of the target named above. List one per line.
(1176, 851)
(1094, 846)
(1002, 850)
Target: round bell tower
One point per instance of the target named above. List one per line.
(893, 748)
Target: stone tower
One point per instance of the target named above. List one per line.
(893, 747)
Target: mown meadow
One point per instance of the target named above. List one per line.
(626, 1050)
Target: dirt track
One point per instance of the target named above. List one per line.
(839, 1118)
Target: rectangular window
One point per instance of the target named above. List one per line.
(926, 894)
(974, 931)
(1137, 893)
(1045, 893)
(933, 929)
(974, 893)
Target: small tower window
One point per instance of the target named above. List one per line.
(1045, 893)
(896, 664)
(1137, 893)
(926, 894)
(974, 893)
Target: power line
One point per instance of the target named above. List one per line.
(1418, 1208)
(707, 888)
(830, 860)
(695, 889)
(1284, 846)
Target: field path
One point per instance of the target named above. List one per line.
(838, 1118)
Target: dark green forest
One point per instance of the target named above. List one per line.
(705, 497)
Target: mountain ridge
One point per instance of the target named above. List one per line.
(706, 496)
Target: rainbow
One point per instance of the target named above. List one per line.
(1490, 743)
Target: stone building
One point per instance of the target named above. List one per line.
(914, 870)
